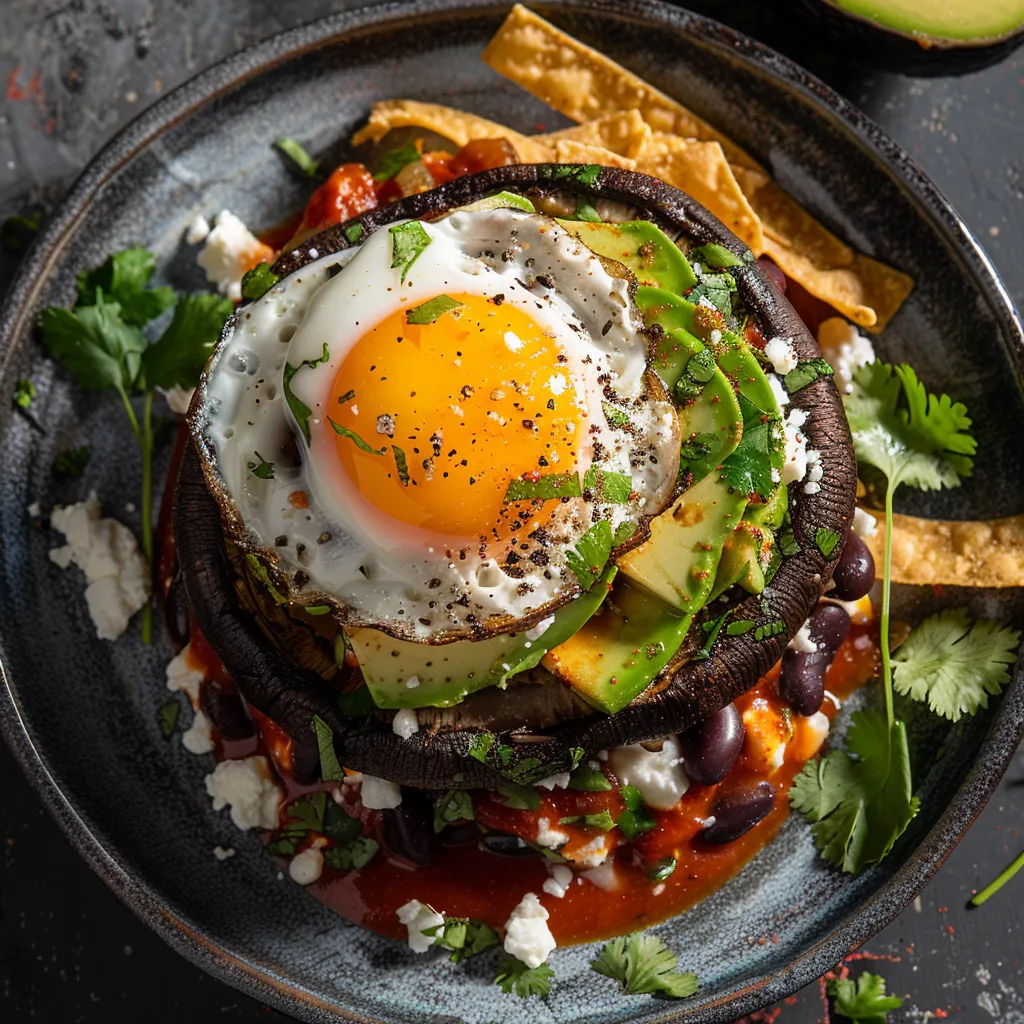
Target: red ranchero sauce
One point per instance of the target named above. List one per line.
(466, 881)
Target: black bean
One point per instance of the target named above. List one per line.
(854, 574)
(305, 760)
(710, 748)
(463, 834)
(507, 846)
(802, 680)
(737, 810)
(408, 829)
(177, 611)
(226, 709)
(773, 273)
(829, 625)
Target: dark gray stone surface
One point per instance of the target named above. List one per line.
(74, 72)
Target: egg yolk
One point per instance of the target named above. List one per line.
(431, 422)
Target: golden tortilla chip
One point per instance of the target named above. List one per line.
(862, 289)
(624, 133)
(457, 125)
(568, 151)
(931, 552)
(584, 85)
(701, 170)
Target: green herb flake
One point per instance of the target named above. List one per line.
(607, 486)
(351, 856)
(463, 936)
(636, 819)
(514, 977)
(354, 232)
(343, 431)
(714, 255)
(864, 1001)
(395, 159)
(432, 310)
(308, 811)
(543, 487)
(70, 464)
(455, 805)
(644, 964)
(480, 745)
(180, 353)
(24, 392)
(330, 768)
(258, 281)
(520, 798)
(827, 540)
(261, 468)
(590, 555)
(616, 418)
(602, 821)
(749, 468)
(587, 211)
(589, 780)
(298, 155)
(665, 867)
(401, 464)
(408, 240)
(167, 718)
(740, 626)
(807, 372)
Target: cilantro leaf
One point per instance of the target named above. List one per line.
(807, 371)
(308, 811)
(455, 805)
(663, 869)
(330, 767)
(431, 310)
(24, 392)
(865, 1001)
(352, 855)
(543, 486)
(343, 431)
(749, 468)
(718, 289)
(590, 555)
(607, 486)
(408, 240)
(463, 936)
(167, 718)
(911, 436)
(514, 976)
(587, 211)
(860, 802)
(258, 281)
(602, 821)
(181, 352)
(354, 232)
(955, 664)
(298, 155)
(124, 277)
(826, 540)
(589, 780)
(94, 344)
(262, 469)
(298, 407)
(70, 464)
(338, 825)
(401, 464)
(520, 798)
(395, 159)
(644, 964)
(616, 418)
(636, 818)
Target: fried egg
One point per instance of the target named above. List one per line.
(419, 430)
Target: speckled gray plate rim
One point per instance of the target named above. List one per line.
(264, 981)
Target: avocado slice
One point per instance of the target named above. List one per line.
(679, 560)
(769, 513)
(952, 22)
(745, 553)
(621, 649)
(651, 256)
(445, 673)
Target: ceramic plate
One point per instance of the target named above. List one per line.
(80, 714)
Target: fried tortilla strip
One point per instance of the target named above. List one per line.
(568, 151)
(456, 125)
(862, 289)
(701, 170)
(987, 553)
(624, 133)
(583, 84)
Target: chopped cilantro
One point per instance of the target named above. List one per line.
(395, 159)
(665, 867)
(330, 767)
(585, 174)
(24, 392)
(298, 156)
(807, 372)
(351, 856)
(826, 540)
(298, 407)
(180, 353)
(636, 818)
(515, 977)
(354, 232)
(543, 487)
(520, 798)
(430, 311)
(616, 418)
(644, 964)
(463, 936)
(740, 626)
(863, 1002)
(258, 281)
(749, 468)
(408, 240)
(262, 469)
(480, 745)
(607, 486)
(343, 431)
(167, 718)
(955, 664)
(401, 463)
(590, 555)
(70, 464)
(718, 289)
(712, 627)
(338, 825)
(308, 811)
(861, 804)
(623, 532)
(455, 805)
(586, 210)
(123, 278)
(602, 820)
(589, 780)
(714, 255)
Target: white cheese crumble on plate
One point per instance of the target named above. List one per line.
(198, 737)
(658, 776)
(417, 917)
(846, 349)
(228, 251)
(247, 786)
(306, 866)
(182, 676)
(527, 936)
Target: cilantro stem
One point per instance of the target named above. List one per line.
(994, 887)
(886, 591)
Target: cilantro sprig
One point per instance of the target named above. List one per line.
(514, 977)
(644, 964)
(101, 344)
(864, 1001)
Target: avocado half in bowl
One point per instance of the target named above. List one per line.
(666, 607)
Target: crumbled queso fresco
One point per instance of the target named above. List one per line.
(527, 936)
(248, 788)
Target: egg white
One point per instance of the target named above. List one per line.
(382, 572)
